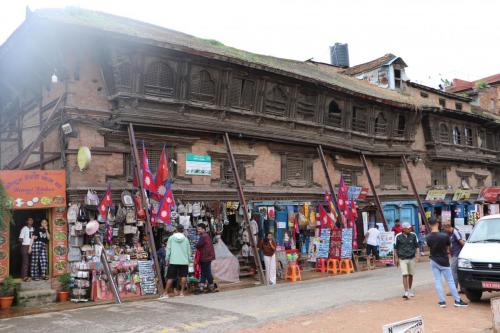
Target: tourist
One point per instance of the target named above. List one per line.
(25, 237)
(421, 239)
(372, 240)
(207, 255)
(405, 249)
(268, 248)
(39, 258)
(177, 258)
(457, 242)
(397, 227)
(438, 243)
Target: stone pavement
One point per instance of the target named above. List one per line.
(227, 311)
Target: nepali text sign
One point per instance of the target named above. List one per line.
(435, 195)
(35, 188)
(198, 165)
(346, 252)
(412, 325)
(489, 194)
(461, 195)
(386, 249)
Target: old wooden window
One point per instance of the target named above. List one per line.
(480, 179)
(202, 87)
(482, 139)
(468, 136)
(380, 125)
(276, 101)
(458, 106)
(226, 172)
(159, 79)
(442, 102)
(349, 176)
(390, 175)
(242, 93)
(153, 159)
(334, 115)
(295, 169)
(124, 75)
(424, 94)
(401, 126)
(444, 134)
(439, 176)
(306, 104)
(397, 78)
(457, 137)
(358, 119)
(490, 140)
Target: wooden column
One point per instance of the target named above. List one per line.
(415, 193)
(107, 270)
(243, 202)
(149, 229)
(375, 194)
(327, 175)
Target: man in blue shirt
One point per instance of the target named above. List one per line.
(457, 242)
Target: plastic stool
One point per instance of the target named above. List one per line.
(333, 266)
(293, 273)
(321, 265)
(346, 266)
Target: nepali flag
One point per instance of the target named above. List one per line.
(105, 203)
(342, 194)
(326, 220)
(162, 173)
(354, 217)
(333, 209)
(147, 176)
(166, 205)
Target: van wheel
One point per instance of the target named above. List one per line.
(473, 295)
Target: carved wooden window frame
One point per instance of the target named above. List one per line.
(439, 176)
(304, 180)
(480, 180)
(360, 118)
(203, 85)
(444, 133)
(274, 105)
(380, 128)
(335, 108)
(242, 92)
(159, 79)
(400, 130)
(456, 135)
(306, 105)
(395, 183)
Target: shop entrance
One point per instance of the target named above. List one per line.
(19, 218)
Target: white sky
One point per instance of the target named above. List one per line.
(436, 38)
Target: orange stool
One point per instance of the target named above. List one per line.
(321, 265)
(333, 266)
(293, 272)
(346, 266)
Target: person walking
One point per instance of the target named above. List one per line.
(421, 239)
(405, 250)
(268, 248)
(26, 238)
(39, 258)
(207, 255)
(457, 243)
(372, 240)
(438, 243)
(177, 257)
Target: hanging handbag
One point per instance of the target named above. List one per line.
(82, 215)
(120, 214)
(130, 216)
(91, 199)
(72, 214)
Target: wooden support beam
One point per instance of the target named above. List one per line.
(243, 202)
(149, 228)
(415, 193)
(375, 194)
(327, 175)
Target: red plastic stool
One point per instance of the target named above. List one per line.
(293, 272)
(333, 266)
(321, 265)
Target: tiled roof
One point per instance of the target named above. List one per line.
(162, 37)
(370, 65)
(462, 85)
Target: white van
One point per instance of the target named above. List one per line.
(479, 260)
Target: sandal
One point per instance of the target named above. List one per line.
(45, 277)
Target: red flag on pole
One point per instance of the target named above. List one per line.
(146, 173)
(165, 207)
(106, 201)
(162, 173)
(326, 220)
(342, 194)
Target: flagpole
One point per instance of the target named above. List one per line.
(149, 229)
(375, 194)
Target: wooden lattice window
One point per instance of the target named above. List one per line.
(390, 175)
(444, 134)
(490, 140)
(124, 75)
(227, 175)
(306, 104)
(468, 136)
(439, 176)
(159, 80)
(358, 119)
(242, 93)
(349, 177)
(295, 169)
(401, 126)
(202, 87)
(154, 160)
(276, 101)
(380, 125)
(334, 116)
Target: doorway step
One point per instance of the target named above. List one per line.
(35, 293)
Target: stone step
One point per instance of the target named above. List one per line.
(34, 285)
(34, 298)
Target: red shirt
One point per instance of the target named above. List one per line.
(397, 229)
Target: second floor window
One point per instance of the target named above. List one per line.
(242, 93)
(159, 80)
(202, 87)
(457, 137)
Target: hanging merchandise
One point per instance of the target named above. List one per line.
(91, 199)
(83, 158)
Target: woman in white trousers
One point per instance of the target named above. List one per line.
(268, 247)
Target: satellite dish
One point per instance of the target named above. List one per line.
(83, 158)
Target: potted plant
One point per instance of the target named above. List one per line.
(7, 292)
(65, 284)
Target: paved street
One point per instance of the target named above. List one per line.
(226, 311)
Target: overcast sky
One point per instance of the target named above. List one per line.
(436, 38)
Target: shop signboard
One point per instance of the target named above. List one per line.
(314, 243)
(386, 249)
(461, 195)
(336, 243)
(435, 195)
(59, 241)
(489, 194)
(357, 192)
(324, 243)
(412, 325)
(198, 165)
(346, 252)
